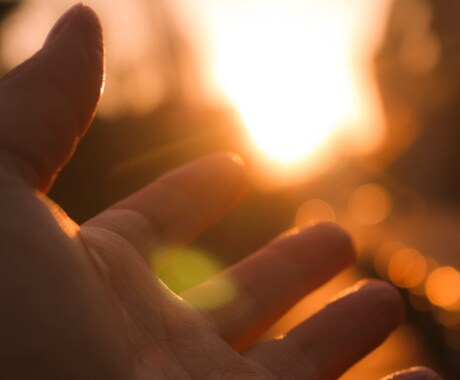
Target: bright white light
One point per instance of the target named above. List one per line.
(289, 67)
(285, 75)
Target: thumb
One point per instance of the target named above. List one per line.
(47, 103)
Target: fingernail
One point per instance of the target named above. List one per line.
(61, 23)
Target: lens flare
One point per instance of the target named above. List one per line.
(369, 204)
(183, 268)
(407, 268)
(313, 211)
(443, 287)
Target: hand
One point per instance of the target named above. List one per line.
(83, 303)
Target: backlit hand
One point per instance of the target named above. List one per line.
(82, 303)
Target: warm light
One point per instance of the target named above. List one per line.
(314, 211)
(421, 49)
(67, 225)
(298, 72)
(291, 68)
(136, 38)
(383, 255)
(290, 87)
(443, 287)
(369, 204)
(407, 268)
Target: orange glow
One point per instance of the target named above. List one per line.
(407, 268)
(421, 50)
(282, 92)
(443, 287)
(369, 204)
(67, 225)
(295, 72)
(419, 289)
(298, 72)
(383, 255)
(313, 211)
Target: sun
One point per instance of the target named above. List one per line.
(289, 69)
(287, 78)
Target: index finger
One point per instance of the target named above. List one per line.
(178, 206)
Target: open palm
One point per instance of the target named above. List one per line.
(82, 303)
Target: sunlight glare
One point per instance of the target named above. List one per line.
(280, 89)
(289, 69)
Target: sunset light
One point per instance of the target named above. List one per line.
(291, 99)
(292, 71)
(240, 154)
(298, 73)
(282, 93)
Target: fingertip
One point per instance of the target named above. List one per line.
(194, 196)
(74, 57)
(415, 373)
(328, 242)
(229, 171)
(81, 15)
(338, 238)
(76, 50)
(87, 17)
(238, 165)
(236, 158)
(230, 160)
(386, 300)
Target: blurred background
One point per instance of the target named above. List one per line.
(345, 111)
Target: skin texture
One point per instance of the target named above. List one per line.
(82, 302)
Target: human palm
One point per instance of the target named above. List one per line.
(83, 303)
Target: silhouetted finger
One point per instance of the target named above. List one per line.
(416, 373)
(47, 102)
(328, 343)
(178, 206)
(249, 297)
